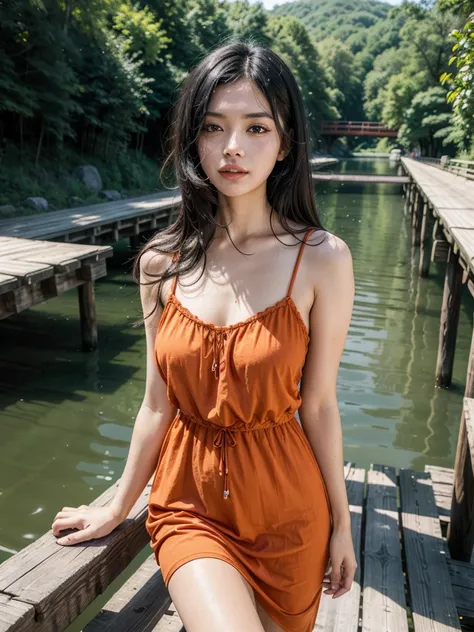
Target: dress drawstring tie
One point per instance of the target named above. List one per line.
(217, 346)
(224, 438)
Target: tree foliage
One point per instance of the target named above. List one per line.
(101, 75)
(461, 80)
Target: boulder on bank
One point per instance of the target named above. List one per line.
(111, 194)
(90, 176)
(37, 203)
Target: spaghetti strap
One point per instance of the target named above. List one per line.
(297, 264)
(175, 278)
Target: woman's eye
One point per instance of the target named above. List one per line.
(261, 127)
(206, 128)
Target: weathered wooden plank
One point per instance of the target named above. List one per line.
(170, 622)
(24, 297)
(462, 581)
(60, 582)
(431, 596)
(464, 238)
(15, 616)
(442, 482)
(383, 599)
(8, 283)
(458, 218)
(440, 474)
(332, 617)
(70, 221)
(26, 271)
(138, 606)
(12, 245)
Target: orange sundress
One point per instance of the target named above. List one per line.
(236, 477)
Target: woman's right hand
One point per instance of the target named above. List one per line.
(92, 522)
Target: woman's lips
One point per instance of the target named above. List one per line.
(232, 175)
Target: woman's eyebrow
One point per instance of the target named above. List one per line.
(249, 115)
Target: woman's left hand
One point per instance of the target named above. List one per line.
(342, 564)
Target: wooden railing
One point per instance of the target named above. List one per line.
(464, 168)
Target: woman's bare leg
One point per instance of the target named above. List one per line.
(268, 624)
(211, 595)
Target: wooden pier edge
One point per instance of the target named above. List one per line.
(446, 202)
(34, 271)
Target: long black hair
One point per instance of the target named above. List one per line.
(289, 186)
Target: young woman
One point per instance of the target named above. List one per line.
(247, 301)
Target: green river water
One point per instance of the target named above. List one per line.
(66, 416)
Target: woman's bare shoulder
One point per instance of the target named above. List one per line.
(153, 263)
(329, 249)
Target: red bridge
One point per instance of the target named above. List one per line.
(356, 128)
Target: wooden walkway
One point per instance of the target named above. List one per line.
(405, 578)
(441, 206)
(349, 177)
(97, 223)
(34, 271)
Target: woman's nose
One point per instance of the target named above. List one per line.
(233, 144)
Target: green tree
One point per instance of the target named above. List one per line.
(292, 42)
(460, 81)
(345, 78)
(427, 121)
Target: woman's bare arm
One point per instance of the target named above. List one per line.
(152, 422)
(155, 413)
(319, 412)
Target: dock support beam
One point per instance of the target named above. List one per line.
(417, 219)
(135, 242)
(449, 320)
(460, 535)
(86, 293)
(425, 250)
(408, 195)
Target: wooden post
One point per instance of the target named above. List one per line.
(425, 246)
(460, 535)
(86, 293)
(449, 320)
(417, 219)
(416, 197)
(408, 192)
(135, 242)
(411, 198)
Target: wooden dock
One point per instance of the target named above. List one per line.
(33, 271)
(441, 207)
(99, 223)
(362, 178)
(405, 574)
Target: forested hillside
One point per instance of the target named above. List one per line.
(385, 64)
(94, 81)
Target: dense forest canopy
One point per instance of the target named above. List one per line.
(99, 78)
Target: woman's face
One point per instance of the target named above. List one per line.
(238, 129)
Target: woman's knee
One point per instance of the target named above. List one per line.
(211, 595)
